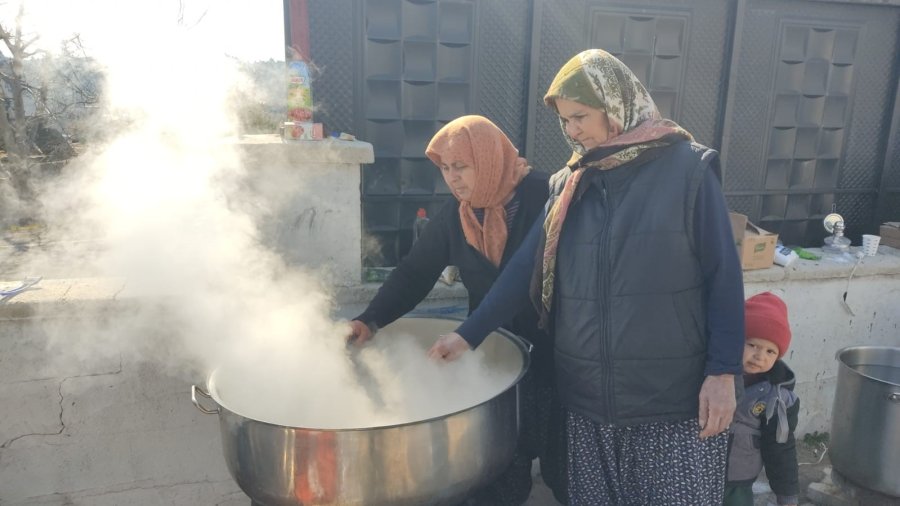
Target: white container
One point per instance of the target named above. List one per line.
(784, 255)
(870, 244)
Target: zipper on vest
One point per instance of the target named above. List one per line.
(606, 346)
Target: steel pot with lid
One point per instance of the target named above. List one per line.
(441, 460)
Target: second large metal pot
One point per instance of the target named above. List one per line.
(865, 425)
(437, 461)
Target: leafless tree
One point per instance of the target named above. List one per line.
(31, 106)
(16, 166)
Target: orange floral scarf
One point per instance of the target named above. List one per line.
(479, 143)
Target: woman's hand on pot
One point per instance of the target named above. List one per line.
(717, 404)
(448, 347)
(359, 332)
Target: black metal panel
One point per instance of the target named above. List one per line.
(676, 48)
(504, 34)
(889, 196)
(417, 72)
(808, 121)
(394, 71)
(747, 118)
(891, 176)
(331, 42)
(558, 29)
(652, 42)
(890, 209)
(861, 207)
(744, 204)
(811, 110)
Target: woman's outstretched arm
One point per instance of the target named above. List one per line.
(506, 298)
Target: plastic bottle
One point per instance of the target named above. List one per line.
(299, 91)
(419, 224)
(784, 255)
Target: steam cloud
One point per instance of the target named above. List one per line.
(163, 204)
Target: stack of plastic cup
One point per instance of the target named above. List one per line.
(870, 244)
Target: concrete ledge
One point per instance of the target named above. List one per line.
(887, 262)
(80, 291)
(304, 152)
(364, 292)
(61, 297)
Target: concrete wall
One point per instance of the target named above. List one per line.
(821, 325)
(112, 428)
(309, 201)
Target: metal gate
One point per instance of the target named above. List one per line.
(799, 96)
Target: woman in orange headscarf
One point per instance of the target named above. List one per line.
(497, 200)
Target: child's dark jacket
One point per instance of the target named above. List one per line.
(763, 434)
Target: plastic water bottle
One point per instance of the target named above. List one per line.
(784, 256)
(299, 91)
(419, 224)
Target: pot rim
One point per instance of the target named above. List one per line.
(841, 352)
(521, 344)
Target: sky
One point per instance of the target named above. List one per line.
(249, 30)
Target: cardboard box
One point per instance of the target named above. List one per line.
(890, 234)
(756, 247)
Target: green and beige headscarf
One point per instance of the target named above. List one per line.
(597, 79)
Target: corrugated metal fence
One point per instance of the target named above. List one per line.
(801, 97)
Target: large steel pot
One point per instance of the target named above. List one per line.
(437, 461)
(865, 424)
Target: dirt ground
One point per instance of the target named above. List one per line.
(812, 469)
(819, 471)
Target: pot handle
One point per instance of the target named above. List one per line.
(194, 391)
(528, 346)
(894, 397)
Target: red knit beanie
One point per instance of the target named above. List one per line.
(765, 317)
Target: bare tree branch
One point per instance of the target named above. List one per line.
(34, 134)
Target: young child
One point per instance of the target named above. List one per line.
(766, 415)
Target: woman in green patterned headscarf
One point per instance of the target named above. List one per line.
(597, 84)
(635, 275)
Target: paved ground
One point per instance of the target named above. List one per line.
(540, 495)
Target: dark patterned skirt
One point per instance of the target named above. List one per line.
(663, 463)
